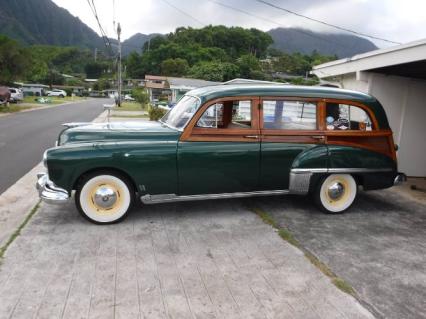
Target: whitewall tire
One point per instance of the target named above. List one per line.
(104, 198)
(336, 193)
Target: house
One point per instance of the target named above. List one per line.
(179, 86)
(33, 89)
(396, 76)
(250, 81)
(172, 88)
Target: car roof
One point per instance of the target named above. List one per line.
(218, 91)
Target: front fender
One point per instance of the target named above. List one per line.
(151, 165)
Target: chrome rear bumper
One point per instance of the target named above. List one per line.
(49, 192)
(399, 179)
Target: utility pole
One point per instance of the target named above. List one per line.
(119, 65)
(96, 54)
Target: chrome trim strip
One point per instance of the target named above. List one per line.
(339, 170)
(299, 182)
(168, 198)
(308, 170)
(300, 178)
(359, 170)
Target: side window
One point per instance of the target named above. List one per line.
(289, 115)
(227, 114)
(347, 117)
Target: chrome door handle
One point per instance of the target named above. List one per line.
(251, 136)
(319, 137)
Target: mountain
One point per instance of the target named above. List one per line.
(305, 41)
(136, 42)
(43, 22)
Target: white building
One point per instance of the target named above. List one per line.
(396, 76)
(34, 89)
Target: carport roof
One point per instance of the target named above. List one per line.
(404, 60)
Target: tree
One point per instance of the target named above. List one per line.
(94, 70)
(174, 67)
(248, 64)
(214, 71)
(134, 66)
(14, 60)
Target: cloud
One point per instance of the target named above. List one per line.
(402, 21)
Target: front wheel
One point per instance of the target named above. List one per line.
(336, 193)
(104, 198)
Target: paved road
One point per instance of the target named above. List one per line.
(25, 136)
(204, 260)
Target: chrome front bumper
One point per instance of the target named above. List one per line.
(49, 192)
(399, 179)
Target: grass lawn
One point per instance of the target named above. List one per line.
(13, 108)
(129, 106)
(29, 102)
(54, 100)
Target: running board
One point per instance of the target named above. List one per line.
(168, 198)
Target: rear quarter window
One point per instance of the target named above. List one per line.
(342, 117)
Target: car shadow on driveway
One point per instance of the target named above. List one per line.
(378, 246)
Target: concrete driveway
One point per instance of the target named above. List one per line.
(379, 246)
(211, 259)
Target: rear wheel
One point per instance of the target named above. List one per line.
(104, 198)
(335, 193)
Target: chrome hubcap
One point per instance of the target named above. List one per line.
(336, 191)
(105, 197)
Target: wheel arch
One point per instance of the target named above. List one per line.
(106, 169)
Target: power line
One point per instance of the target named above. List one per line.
(277, 23)
(99, 23)
(326, 23)
(104, 37)
(183, 12)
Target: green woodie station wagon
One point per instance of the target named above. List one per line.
(227, 141)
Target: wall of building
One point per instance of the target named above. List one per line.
(404, 100)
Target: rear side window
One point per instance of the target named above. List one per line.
(289, 115)
(347, 117)
(227, 114)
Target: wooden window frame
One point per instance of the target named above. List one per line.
(319, 136)
(194, 133)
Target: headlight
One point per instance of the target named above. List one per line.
(45, 159)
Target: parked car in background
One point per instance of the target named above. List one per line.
(57, 92)
(16, 95)
(129, 98)
(227, 141)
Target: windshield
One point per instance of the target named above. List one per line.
(182, 112)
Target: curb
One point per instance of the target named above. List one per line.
(20, 199)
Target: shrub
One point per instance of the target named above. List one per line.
(141, 96)
(155, 113)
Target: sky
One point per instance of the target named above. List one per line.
(397, 20)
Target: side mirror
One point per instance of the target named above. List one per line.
(396, 147)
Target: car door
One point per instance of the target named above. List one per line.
(289, 129)
(219, 151)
